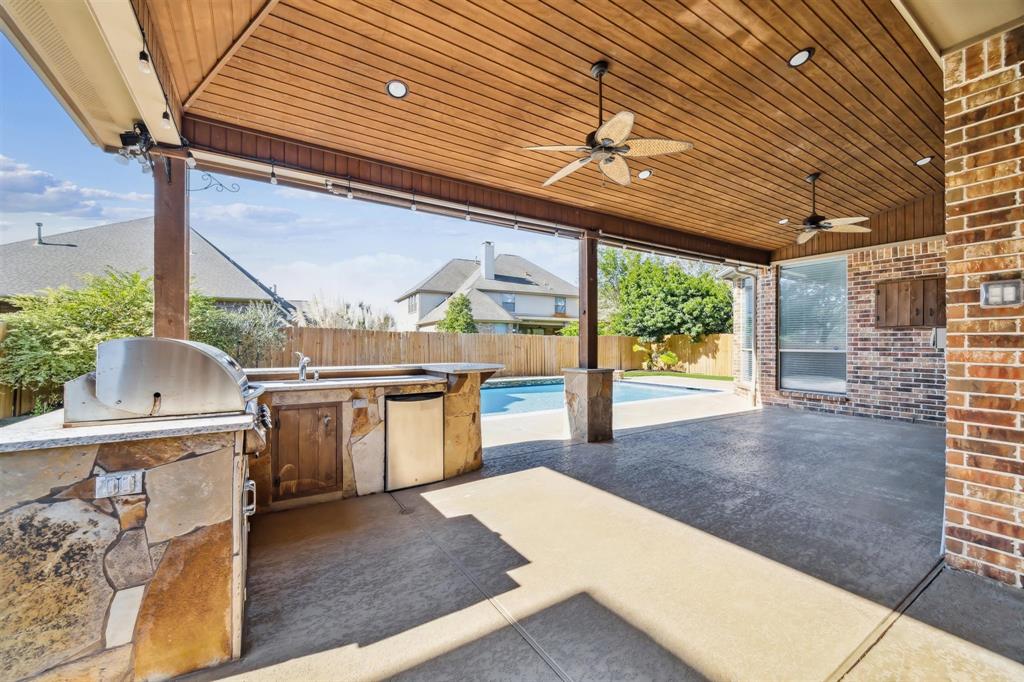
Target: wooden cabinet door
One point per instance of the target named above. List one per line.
(306, 451)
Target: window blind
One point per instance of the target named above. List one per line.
(812, 326)
(747, 331)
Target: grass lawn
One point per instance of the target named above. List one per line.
(645, 373)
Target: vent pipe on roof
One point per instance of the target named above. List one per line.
(487, 260)
(39, 233)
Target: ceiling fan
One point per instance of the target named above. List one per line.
(814, 223)
(608, 146)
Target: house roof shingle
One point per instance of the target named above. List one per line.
(513, 274)
(126, 246)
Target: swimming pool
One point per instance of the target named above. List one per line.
(550, 395)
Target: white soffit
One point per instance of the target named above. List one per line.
(63, 42)
(945, 25)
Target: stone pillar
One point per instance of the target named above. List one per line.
(984, 514)
(588, 400)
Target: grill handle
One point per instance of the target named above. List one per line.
(249, 497)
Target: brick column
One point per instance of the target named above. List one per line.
(985, 360)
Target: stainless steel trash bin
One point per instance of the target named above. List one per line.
(414, 440)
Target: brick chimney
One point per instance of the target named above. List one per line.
(487, 260)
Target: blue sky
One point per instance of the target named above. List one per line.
(306, 243)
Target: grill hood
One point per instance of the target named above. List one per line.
(153, 378)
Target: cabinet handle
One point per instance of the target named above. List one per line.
(327, 421)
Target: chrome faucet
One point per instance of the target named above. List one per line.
(303, 364)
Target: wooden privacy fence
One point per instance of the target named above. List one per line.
(522, 354)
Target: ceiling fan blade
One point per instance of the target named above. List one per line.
(651, 146)
(570, 167)
(848, 228)
(558, 148)
(805, 236)
(616, 129)
(615, 169)
(833, 222)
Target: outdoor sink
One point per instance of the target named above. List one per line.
(341, 382)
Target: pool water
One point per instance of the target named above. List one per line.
(514, 399)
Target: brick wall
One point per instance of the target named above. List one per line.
(984, 209)
(890, 373)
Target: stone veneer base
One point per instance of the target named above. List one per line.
(588, 402)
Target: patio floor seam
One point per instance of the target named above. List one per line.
(887, 623)
(491, 599)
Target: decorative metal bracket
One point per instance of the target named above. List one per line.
(215, 184)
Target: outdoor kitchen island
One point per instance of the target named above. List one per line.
(358, 430)
(123, 546)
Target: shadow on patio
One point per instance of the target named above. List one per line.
(773, 544)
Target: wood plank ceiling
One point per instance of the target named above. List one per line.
(488, 78)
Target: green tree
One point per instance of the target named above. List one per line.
(658, 299)
(459, 316)
(604, 328)
(52, 336)
(612, 266)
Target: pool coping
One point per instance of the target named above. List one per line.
(535, 381)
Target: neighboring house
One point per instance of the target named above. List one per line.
(60, 260)
(509, 294)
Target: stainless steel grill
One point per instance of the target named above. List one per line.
(158, 378)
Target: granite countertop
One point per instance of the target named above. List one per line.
(276, 386)
(438, 367)
(47, 430)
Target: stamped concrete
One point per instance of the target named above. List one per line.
(771, 544)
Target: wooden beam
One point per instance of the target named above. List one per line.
(230, 52)
(588, 302)
(249, 145)
(170, 249)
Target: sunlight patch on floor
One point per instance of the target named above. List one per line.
(725, 611)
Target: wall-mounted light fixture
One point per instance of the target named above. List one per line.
(1002, 293)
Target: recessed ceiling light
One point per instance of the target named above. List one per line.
(783, 221)
(923, 161)
(801, 57)
(644, 174)
(397, 89)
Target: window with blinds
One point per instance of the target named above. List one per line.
(812, 326)
(747, 331)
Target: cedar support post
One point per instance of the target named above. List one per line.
(588, 390)
(588, 302)
(170, 248)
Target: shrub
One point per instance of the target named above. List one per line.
(459, 316)
(52, 337)
(250, 334)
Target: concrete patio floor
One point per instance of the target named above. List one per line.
(773, 544)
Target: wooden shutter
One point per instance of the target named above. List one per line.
(911, 303)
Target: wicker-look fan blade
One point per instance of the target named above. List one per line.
(570, 167)
(558, 148)
(616, 129)
(848, 228)
(805, 236)
(651, 146)
(834, 222)
(616, 169)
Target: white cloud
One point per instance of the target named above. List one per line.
(376, 278)
(27, 190)
(241, 212)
